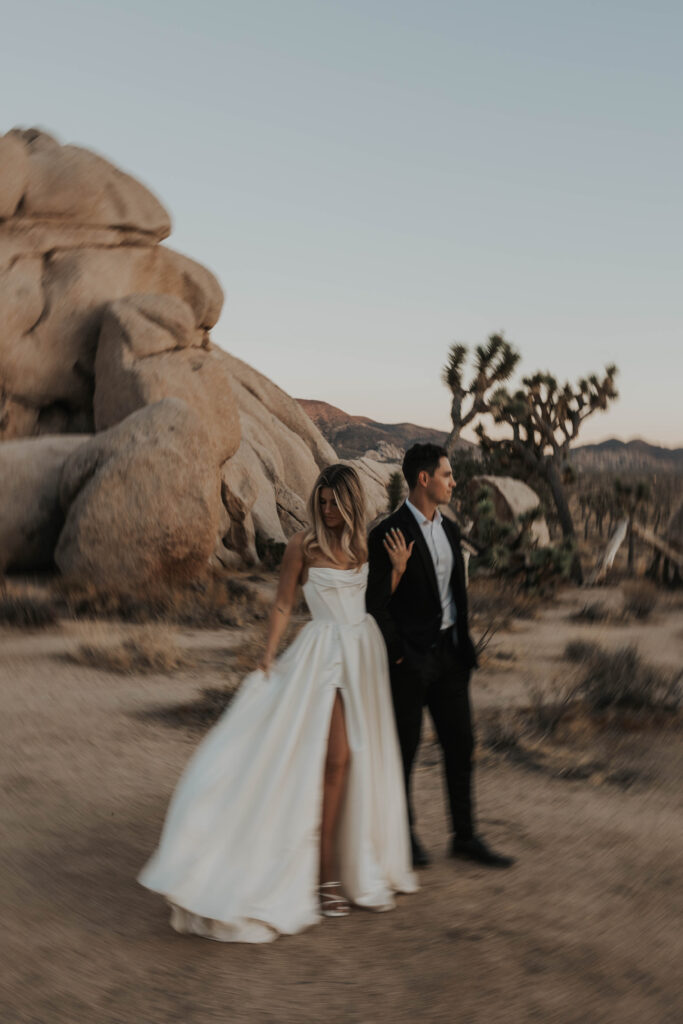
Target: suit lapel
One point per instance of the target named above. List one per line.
(413, 531)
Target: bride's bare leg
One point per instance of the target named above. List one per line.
(336, 771)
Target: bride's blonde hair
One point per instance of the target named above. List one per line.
(345, 485)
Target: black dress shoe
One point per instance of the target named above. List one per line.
(421, 858)
(477, 850)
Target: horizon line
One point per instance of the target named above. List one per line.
(653, 444)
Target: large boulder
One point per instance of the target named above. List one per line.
(512, 501)
(142, 502)
(241, 487)
(385, 451)
(258, 500)
(374, 476)
(267, 482)
(258, 396)
(54, 311)
(49, 181)
(150, 349)
(31, 515)
(102, 328)
(76, 234)
(13, 174)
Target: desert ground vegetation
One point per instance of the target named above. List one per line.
(151, 648)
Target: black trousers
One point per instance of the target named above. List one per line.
(438, 680)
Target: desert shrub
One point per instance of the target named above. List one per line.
(493, 537)
(545, 711)
(502, 732)
(671, 600)
(544, 567)
(215, 600)
(465, 466)
(593, 611)
(580, 650)
(29, 611)
(148, 649)
(485, 639)
(621, 679)
(497, 601)
(640, 599)
(488, 599)
(509, 550)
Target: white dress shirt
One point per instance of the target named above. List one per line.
(442, 557)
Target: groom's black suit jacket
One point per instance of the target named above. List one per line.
(412, 614)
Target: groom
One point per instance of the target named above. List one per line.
(424, 624)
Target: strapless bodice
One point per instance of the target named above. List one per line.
(337, 595)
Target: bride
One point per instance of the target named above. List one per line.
(294, 805)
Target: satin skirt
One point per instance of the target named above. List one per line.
(238, 858)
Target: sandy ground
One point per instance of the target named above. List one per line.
(585, 928)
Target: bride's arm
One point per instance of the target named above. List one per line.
(399, 552)
(290, 574)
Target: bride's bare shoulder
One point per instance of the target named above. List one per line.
(296, 557)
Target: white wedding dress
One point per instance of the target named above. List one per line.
(238, 858)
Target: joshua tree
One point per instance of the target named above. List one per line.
(545, 418)
(600, 505)
(632, 499)
(494, 364)
(595, 503)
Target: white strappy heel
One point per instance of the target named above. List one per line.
(333, 904)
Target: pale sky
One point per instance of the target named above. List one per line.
(371, 180)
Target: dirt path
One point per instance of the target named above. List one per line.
(583, 929)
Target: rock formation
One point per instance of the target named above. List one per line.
(374, 476)
(141, 502)
(75, 234)
(190, 454)
(149, 348)
(385, 452)
(512, 500)
(31, 516)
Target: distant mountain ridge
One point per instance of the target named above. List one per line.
(352, 436)
(628, 456)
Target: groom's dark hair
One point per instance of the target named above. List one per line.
(419, 457)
